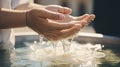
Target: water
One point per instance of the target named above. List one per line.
(4, 55)
(47, 54)
(112, 58)
(84, 55)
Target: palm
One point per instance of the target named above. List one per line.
(68, 19)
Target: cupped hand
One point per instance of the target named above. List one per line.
(37, 19)
(81, 20)
(54, 23)
(79, 23)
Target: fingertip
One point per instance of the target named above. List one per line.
(67, 10)
(93, 17)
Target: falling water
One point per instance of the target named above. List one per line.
(62, 53)
(77, 55)
(65, 53)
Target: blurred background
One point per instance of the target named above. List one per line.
(107, 14)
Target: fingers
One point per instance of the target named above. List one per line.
(51, 15)
(60, 26)
(64, 26)
(83, 21)
(86, 19)
(61, 34)
(89, 18)
(71, 31)
(82, 17)
(64, 10)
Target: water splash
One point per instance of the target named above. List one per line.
(66, 53)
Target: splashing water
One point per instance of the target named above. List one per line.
(65, 53)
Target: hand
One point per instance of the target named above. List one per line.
(68, 18)
(53, 30)
(83, 20)
(37, 19)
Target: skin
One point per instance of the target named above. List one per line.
(53, 22)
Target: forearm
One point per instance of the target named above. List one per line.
(28, 6)
(12, 18)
